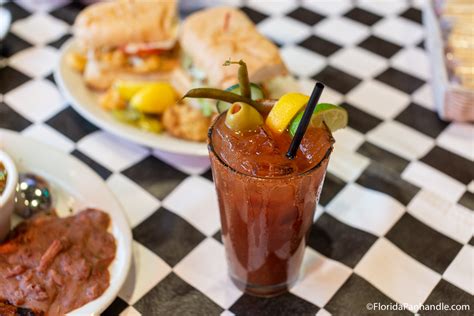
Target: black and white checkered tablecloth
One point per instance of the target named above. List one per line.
(395, 221)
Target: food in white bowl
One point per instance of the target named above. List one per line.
(8, 182)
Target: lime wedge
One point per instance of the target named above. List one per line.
(334, 116)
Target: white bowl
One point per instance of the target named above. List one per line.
(8, 195)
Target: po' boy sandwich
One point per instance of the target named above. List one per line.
(210, 37)
(127, 39)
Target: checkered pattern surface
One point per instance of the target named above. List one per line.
(395, 220)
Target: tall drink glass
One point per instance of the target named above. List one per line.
(265, 219)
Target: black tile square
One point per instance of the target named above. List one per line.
(94, 165)
(50, 77)
(59, 42)
(167, 235)
(71, 124)
(332, 186)
(285, 304)
(360, 120)
(383, 157)
(12, 44)
(448, 294)
(306, 16)
(16, 11)
(10, 119)
(218, 236)
(471, 242)
(339, 241)
(467, 200)
(400, 80)
(363, 16)
(337, 79)
(381, 178)
(423, 243)
(11, 78)
(422, 120)
(354, 295)
(254, 15)
(448, 162)
(320, 45)
(69, 12)
(421, 44)
(173, 296)
(380, 46)
(117, 306)
(413, 14)
(155, 176)
(208, 174)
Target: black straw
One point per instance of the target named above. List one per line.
(308, 112)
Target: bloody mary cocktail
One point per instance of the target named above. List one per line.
(267, 201)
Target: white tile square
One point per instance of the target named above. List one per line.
(424, 97)
(187, 164)
(358, 62)
(319, 211)
(329, 95)
(342, 31)
(323, 312)
(138, 204)
(414, 61)
(470, 186)
(205, 268)
(302, 62)
(35, 61)
(458, 138)
(45, 134)
(195, 200)
(111, 151)
(273, 7)
(396, 274)
(346, 164)
(399, 30)
(130, 311)
(442, 215)
(350, 207)
(348, 138)
(37, 100)
(139, 279)
(227, 313)
(40, 28)
(431, 179)
(328, 7)
(320, 279)
(284, 30)
(384, 7)
(460, 272)
(378, 99)
(401, 140)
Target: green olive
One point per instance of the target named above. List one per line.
(242, 117)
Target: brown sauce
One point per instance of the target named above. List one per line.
(55, 265)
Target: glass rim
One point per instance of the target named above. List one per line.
(211, 149)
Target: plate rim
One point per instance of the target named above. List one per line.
(127, 239)
(118, 129)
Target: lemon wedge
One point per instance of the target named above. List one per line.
(154, 98)
(127, 89)
(284, 110)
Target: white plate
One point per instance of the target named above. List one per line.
(75, 186)
(85, 102)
